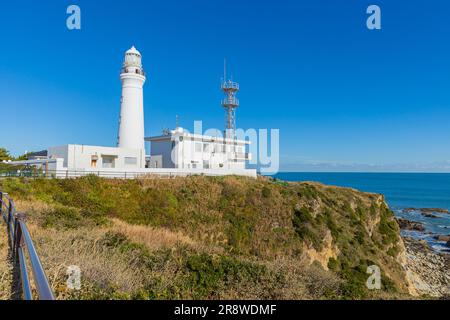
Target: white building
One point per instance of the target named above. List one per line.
(82, 157)
(177, 153)
(182, 150)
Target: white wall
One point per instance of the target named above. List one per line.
(79, 157)
(186, 154)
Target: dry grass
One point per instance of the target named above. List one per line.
(152, 238)
(106, 268)
(33, 209)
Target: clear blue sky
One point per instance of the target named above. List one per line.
(342, 96)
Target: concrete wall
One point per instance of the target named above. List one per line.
(81, 157)
(59, 152)
(164, 150)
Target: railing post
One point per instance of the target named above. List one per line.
(10, 207)
(17, 236)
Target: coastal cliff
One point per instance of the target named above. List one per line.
(215, 238)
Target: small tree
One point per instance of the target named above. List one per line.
(4, 154)
(22, 157)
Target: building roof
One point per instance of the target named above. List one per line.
(181, 132)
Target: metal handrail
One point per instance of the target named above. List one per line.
(135, 71)
(22, 246)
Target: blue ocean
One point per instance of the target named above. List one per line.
(401, 190)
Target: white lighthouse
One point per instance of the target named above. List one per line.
(131, 122)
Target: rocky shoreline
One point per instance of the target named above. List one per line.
(410, 225)
(427, 270)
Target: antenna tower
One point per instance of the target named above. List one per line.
(230, 103)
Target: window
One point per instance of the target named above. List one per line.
(198, 147)
(108, 162)
(130, 160)
(205, 164)
(206, 147)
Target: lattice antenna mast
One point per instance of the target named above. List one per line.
(230, 103)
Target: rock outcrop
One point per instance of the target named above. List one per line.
(329, 251)
(410, 225)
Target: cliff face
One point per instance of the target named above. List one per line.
(239, 237)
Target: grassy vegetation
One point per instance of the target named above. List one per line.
(210, 237)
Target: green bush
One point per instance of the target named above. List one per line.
(333, 264)
(208, 274)
(303, 223)
(354, 286)
(63, 217)
(302, 215)
(266, 192)
(17, 187)
(331, 224)
(239, 232)
(388, 227)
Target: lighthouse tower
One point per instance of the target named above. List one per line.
(131, 123)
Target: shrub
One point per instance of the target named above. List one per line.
(354, 286)
(17, 187)
(333, 264)
(303, 223)
(301, 216)
(207, 274)
(266, 192)
(63, 217)
(388, 227)
(239, 232)
(331, 224)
